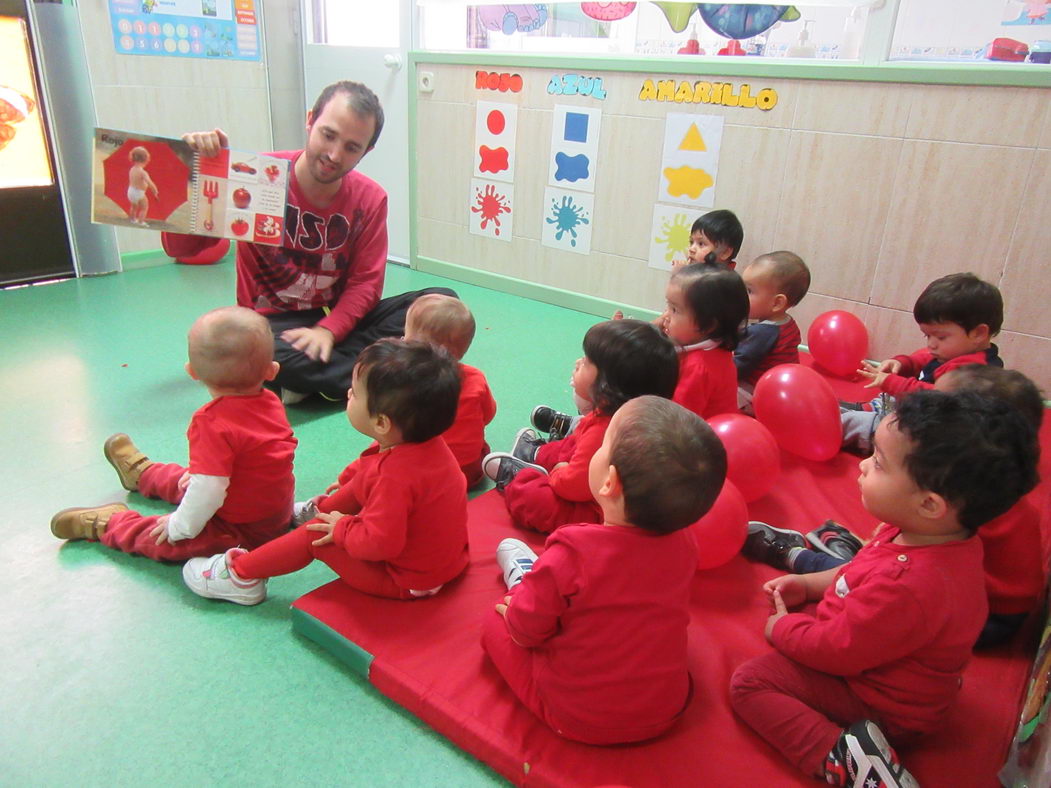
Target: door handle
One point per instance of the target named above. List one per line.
(392, 61)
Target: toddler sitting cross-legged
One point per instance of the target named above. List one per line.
(593, 639)
(397, 525)
(883, 654)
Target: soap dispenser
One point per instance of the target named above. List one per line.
(803, 47)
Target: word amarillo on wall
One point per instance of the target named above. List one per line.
(722, 93)
(576, 85)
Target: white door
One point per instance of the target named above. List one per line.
(368, 41)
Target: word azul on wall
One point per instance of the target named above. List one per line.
(576, 85)
(492, 80)
(707, 93)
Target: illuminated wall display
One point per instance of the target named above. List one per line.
(24, 157)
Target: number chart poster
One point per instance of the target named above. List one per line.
(690, 164)
(211, 29)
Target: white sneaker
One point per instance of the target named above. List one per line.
(515, 558)
(289, 397)
(213, 579)
(303, 512)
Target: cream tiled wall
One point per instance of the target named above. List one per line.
(880, 187)
(167, 96)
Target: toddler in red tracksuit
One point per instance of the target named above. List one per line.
(592, 635)
(397, 525)
(706, 309)
(238, 488)
(447, 322)
(545, 484)
(883, 654)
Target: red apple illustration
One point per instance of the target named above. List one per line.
(239, 227)
(242, 197)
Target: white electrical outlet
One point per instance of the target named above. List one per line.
(425, 81)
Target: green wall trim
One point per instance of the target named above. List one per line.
(149, 258)
(590, 305)
(1032, 75)
(346, 651)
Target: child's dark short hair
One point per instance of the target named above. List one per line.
(1010, 385)
(671, 465)
(963, 299)
(979, 453)
(414, 384)
(633, 358)
(718, 301)
(789, 273)
(720, 227)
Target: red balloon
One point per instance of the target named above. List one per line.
(753, 459)
(212, 254)
(722, 531)
(838, 341)
(798, 407)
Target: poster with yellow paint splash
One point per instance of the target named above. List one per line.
(670, 236)
(690, 164)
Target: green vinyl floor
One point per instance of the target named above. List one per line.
(114, 673)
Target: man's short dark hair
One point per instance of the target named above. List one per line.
(671, 465)
(979, 453)
(721, 227)
(414, 384)
(359, 98)
(633, 358)
(963, 299)
(1010, 385)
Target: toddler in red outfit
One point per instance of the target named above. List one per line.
(893, 630)
(707, 307)
(592, 635)
(447, 322)
(545, 484)
(397, 525)
(959, 315)
(238, 488)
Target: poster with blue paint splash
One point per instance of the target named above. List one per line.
(574, 147)
(567, 218)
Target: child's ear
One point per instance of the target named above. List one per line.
(980, 333)
(933, 506)
(190, 372)
(271, 373)
(383, 424)
(611, 487)
(780, 303)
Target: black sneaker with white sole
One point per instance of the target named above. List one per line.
(502, 467)
(771, 545)
(557, 425)
(526, 444)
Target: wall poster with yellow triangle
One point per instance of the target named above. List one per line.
(690, 162)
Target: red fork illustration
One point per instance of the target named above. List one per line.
(211, 191)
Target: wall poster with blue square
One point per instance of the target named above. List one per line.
(574, 147)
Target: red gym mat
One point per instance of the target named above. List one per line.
(426, 655)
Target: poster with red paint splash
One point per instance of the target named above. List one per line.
(491, 210)
(495, 128)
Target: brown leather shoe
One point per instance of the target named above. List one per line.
(84, 522)
(126, 459)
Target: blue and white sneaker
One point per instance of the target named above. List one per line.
(212, 578)
(515, 558)
(526, 445)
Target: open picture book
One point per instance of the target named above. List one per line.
(157, 183)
